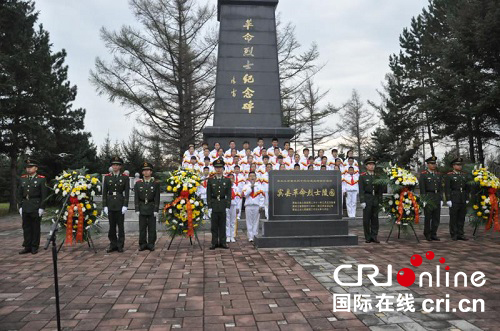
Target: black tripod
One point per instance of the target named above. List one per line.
(52, 238)
(399, 231)
(190, 240)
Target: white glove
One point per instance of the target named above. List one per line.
(137, 212)
(124, 209)
(105, 210)
(21, 211)
(363, 205)
(467, 201)
(155, 214)
(441, 203)
(40, 212)
(448, 203)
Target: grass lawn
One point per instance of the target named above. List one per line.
(4, 208)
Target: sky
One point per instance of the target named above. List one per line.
(355, 39)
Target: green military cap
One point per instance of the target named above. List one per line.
(371, 159)
(458, 160)
(116, 160)
(31, 162)
(219, 163)
(431, 159)
(147, 166)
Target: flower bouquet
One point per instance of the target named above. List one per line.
(485, 202)
(403, 206)
(81, 213)
(184, 214)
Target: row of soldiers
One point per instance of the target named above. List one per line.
(223, 195)
(452, 187)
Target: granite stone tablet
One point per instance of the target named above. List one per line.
(305, 210)
(305, 195)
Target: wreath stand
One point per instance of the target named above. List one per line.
(89, 241)
(190, 240)
(399, 231)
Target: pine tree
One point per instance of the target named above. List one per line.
(165, 71)
(36, 98)
(133, 153)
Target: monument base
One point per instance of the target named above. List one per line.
(223, 135)
(310, 233)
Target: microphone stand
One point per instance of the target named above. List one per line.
(51, 238)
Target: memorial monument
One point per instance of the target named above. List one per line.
(305, 206)
(247, 92)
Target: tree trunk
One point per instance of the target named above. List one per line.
(423, 145)
(13, 184)
(479, 142)
(312, 137)
(457, 146)
(429, 133)
(470, 132)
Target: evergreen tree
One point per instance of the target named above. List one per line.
(35, 97)
(133, 153)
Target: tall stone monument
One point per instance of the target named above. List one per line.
(247, 92)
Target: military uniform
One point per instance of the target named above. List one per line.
(147, 203)
(31, 196)
(218, 199)
(457, 191)
(431, 185)
(115, 196)
(370, 194)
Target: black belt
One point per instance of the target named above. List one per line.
(433, 191)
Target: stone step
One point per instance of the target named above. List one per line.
(306, 241)
(304, 228)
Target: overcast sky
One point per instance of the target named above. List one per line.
(355, 39)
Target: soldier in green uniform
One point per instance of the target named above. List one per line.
(115, 195)
(370, 197)
(31, 196)
(431, 185)
(457, 191)
(218, 200)
(147, 203)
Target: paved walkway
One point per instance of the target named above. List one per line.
(482, 254)
(183, 288)
(237, 289)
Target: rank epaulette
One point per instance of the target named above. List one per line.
(363, 173)
(424, 172)
(40, 176)
(123, 174)
(24, 176)
(108, 174)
